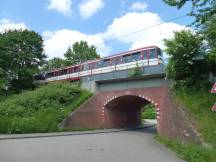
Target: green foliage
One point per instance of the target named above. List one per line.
(209, 32)
(2, 80)
(40, 110)
(54, 63)
(212, 60)
(189, 152)
(80, 52)
(178, 4)
(21, 53)
(199, 103)
(202, 10)
(136, 72)
(186, 64)
(149, 112)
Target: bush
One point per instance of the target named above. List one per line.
(149, 112)
(187, 65)
(136, 72)
(40, 110)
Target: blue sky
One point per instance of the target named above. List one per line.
(103, 23)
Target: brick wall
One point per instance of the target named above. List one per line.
(122, 108)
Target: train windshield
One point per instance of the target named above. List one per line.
(153, 54)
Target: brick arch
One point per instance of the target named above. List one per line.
(111, 99)
(171, 119)
(141, 96)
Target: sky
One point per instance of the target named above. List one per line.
(112, 26)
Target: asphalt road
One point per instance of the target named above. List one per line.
(125, 146)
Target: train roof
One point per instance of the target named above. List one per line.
(104, 58)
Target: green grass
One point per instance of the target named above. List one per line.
(189, 152)
(198, 104)
(149, 112)
(40, 110)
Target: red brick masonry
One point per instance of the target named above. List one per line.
(122, 108)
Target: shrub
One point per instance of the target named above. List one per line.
(40, 110)
(149, 112)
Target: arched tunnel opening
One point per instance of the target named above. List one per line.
(125, 112)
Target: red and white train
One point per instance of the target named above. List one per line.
(146, 56)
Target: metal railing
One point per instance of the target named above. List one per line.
(123, 71)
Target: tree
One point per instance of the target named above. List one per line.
(209, 32)
(54, 63)
(80, 52)
(202, 10)
(21, 54)
(186, 64)
(2, 80)
(136, 72)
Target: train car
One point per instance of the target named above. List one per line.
(146, 56)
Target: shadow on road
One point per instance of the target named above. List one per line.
(149, 130)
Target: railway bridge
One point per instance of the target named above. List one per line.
(118, 100)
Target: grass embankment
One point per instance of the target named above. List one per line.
(40, 110)
(189, 152)
(198, 103)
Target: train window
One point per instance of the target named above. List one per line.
(62, 72)
(85, 67)
(49, 75)
(93, 65)
(38, 77)
(159, 54)
(136, 56)
(145, 57)
(99, 64)
(106, 62)
(71, 70)
(65, 71)
(126, 59)
(112, 62)
(116, 61)
(152, 54)
(76, 69)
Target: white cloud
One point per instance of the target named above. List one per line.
(89, 7)
(141, 29)
(61, 6)
(57, 42)
(139, 6)
(136, 29)
(6, 24)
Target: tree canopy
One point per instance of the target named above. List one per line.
(54, 63)
(80, 52)
(202, 10)
(21, 54)
(186, 55)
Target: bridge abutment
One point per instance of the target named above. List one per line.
(117, 103)
(122, 108)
